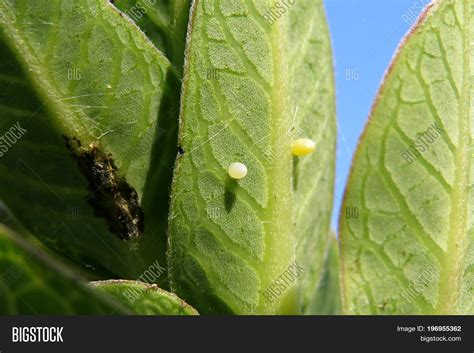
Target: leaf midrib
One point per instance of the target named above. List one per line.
(282, 168)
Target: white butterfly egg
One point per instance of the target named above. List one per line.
(302, 147)
(237, 170)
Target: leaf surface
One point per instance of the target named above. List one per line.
(327, 299)
(143, 298)
(312, 80)
(164, 22)
(33, 283)
(93, 104)
(232, 240)
(411, 249)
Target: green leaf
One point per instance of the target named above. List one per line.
(327, 299)
(9, 221)
(407, 239)
(164, 23)
(93, 105)
(230, 241)
(31, 282)
(312, 79)
(144, 299)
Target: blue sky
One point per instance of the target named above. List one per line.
(365, 35)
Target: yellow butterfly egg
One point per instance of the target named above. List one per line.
(302, 147)
(237, 170)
